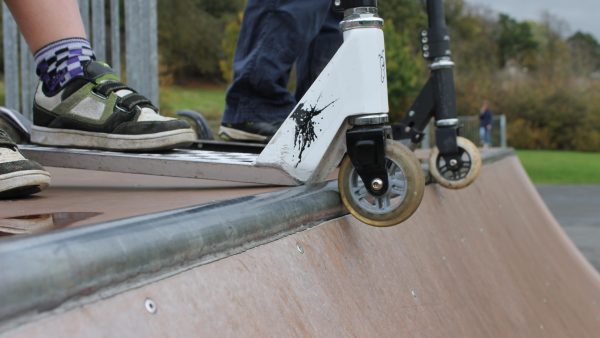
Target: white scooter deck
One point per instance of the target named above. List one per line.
(190, 163)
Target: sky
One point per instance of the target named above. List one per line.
(583, 15)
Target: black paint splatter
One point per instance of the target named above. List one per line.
(305, 127)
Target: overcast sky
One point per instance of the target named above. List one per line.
(583, 15)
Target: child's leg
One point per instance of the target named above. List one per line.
(323, 47)
(272, 37)
(45, 21)
(80, 102)
(482, 137)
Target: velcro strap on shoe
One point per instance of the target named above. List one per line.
(107, 87)
(7, 144)
(5, 140)
(130, 101)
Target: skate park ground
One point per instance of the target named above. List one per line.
(577, 209)
(243, 260)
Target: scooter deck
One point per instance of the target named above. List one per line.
(190, 163)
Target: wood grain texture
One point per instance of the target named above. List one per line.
(486, 261)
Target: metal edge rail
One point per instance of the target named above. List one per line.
(70, 267)
(58, 271)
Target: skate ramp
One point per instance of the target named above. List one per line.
(486, 261)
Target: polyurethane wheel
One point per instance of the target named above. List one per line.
(405, 192)
(198, 122)
(462, 176)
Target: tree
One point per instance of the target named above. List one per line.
(516, 42)
(585, 52)
(406, 70)
(228, 45)
(190, 35)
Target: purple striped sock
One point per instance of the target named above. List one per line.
(61, 61)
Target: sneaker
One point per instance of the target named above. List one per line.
(97, 111)
(19, 176)
(248, 131)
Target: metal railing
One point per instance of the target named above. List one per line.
(469, 128)
(102, 21)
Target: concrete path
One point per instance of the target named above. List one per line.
(577, 209)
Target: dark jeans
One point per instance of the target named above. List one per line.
(274, 35)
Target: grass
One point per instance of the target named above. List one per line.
(561, 167)
(210, 101)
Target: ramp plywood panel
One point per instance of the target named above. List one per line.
(487, 261)
(118, 195)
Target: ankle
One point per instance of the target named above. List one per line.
(61, 61)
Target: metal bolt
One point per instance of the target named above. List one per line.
(425, 47)
(377, 184)
(423, 33)
(426, 54)
(453, 162)
(424, 40)
(338, 2)
(411, 113)
(150, 306)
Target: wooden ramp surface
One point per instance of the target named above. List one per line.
(104, 196)
(486, 261)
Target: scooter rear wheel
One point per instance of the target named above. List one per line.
(398, 203)
(198, 122)
(467, 171)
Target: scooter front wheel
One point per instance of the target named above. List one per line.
(460, 175)
(398, 203)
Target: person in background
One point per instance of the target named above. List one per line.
(79, 101)
(485, 124)
(274, 36)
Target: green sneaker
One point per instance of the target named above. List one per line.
(99, 112)
(19, 176)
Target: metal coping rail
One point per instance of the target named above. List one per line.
(58, 271)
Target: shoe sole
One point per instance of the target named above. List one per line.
(84, 139)
(230, 134)
(23, 183)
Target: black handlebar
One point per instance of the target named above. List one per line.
(435, 13)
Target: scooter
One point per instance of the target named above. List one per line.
(343, 118)
(455, 161)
